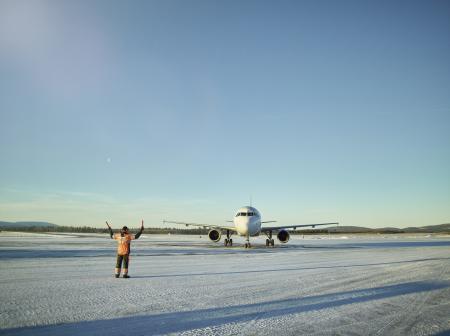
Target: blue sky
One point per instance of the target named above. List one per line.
(321, 110)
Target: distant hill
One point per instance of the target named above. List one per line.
(347, 229)
(357, 229)
(5, 225)
(430, 228)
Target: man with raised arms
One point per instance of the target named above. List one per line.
(124, 239)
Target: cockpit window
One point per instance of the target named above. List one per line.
(249, 214)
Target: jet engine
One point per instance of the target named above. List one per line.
(214, 235)
(283, 236)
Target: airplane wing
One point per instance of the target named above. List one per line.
(277, 228)
(205, 226)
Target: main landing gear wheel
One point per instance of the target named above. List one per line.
(228, 242)
(270, 242)
(247, 245)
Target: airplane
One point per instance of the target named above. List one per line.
(247, 222)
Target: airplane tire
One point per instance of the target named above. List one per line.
(272, 242)
(230, 242)
(226, 242)
(267, 242)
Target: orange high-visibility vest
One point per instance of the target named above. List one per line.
(123, 246)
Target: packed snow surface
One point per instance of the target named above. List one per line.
(63, 284)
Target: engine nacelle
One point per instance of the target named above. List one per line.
(283, 236)
(214, 235)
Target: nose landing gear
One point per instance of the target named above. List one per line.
(247, 242)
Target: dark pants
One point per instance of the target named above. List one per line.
(125, 259)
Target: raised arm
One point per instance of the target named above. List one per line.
(110, 231)
(140, 231)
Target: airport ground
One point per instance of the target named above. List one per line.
(54, 284)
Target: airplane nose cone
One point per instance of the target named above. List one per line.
(242, 226)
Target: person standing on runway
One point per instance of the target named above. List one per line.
(124, 239)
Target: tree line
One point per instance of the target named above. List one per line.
(88, 229)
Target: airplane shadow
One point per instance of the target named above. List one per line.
(176, 322)
(443, 333)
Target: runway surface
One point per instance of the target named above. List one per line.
(316, 285)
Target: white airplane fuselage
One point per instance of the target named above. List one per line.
(247, 222)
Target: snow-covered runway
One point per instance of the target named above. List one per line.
(366, 285)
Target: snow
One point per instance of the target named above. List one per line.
(53, 284)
